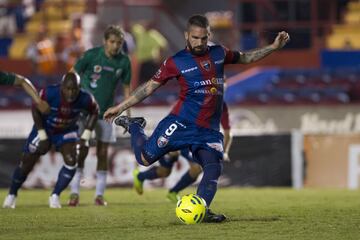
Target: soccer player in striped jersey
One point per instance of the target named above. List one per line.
(194, 121)
(166, 164)
(58, 128)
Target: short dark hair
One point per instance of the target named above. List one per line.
(71, 76)
(113, 30)
(198, 20)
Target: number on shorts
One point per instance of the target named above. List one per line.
(171, 129)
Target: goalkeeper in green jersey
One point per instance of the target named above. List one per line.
(102, 69)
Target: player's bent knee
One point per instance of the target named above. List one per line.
(195, 170)
(174, 154)
(163, 172)
(143, 161)
(70, 161)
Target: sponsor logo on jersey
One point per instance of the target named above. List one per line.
(162, 141)
(208, 82)
(211, 91)
(206, 65)
(97, 68)
(189, 70)
(110, 69)
(217, 146)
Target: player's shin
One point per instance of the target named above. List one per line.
(75, 183)
(208, 185)
(18, 179)
(82, 150)
(65, 176)
(185, 181)
(148, 174)
(100, 182)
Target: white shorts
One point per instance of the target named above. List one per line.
(104, 131)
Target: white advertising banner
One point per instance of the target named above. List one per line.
(337, 119)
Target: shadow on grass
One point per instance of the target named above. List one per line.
(255, 219)
(240, 219)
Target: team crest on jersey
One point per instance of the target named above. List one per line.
(97, 68)
(206, 65)
(162, 141)
(108, 68)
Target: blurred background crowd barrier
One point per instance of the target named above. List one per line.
(294, 115)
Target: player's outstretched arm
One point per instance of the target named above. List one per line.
(139, 94)
(254, 55)
(30, 89)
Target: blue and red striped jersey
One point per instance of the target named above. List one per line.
(63, 115)
(201, 80)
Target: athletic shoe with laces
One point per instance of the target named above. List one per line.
(100, 201)
(74, 200)
(138, 184)
(125, 121)
(54, 201)
(211, 217)
(173, 197)
(10, 201)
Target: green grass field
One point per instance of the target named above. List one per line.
(255, 214)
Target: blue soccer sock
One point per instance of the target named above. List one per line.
(18, 179)
(65, 176)
(185, 181)
(138, 139)
(208, 185)
(148, 175)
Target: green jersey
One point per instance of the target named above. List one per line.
(7, 78)
(100, 75)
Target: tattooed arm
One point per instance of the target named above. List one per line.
(139, 94)
(254, 55)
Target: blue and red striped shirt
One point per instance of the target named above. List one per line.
(201, 80)
(63, 115)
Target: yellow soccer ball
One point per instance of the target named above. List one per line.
(190, 209)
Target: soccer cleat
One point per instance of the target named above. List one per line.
(100, 201)
(125, 122)
(9, 201)
(54, 201)
(74, 200)
(138, 184)
(211, 217)
(173, 197)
